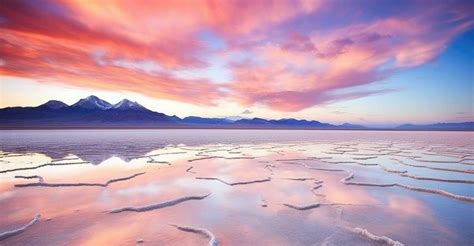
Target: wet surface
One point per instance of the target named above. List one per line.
(236, 187)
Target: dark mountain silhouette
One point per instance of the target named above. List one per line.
(206, 121)
(88, 112)
(286, 123)
(53, 104)
(351, 126)
(439, 126)
(254, 121)
(94, 112)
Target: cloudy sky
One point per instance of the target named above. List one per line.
(370, 62)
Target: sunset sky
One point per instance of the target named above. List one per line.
(367, 62)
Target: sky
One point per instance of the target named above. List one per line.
(377, 63)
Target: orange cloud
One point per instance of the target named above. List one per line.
(274, 50)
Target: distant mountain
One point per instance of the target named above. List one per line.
(126, 104)
(207, 121)
(301, 123)
(92, 102)
(439, 126)
(234, 118)
(254, 121)
(53, 104)
(95, 112)
(293, 123)
(351, 126)
(87, 112)
(283, 123)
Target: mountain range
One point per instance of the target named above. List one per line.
(91, 112)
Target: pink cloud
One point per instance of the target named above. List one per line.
(287, 63)
(56, 41)
(309, 70)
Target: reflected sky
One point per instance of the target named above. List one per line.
(303, 170)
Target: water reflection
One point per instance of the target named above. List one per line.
(304, 174)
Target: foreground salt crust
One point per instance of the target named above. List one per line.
(7, 234)
(378, 239)
(159, 205)
(340, 158)
(408, 187)
(41, 182)
(212, 239)
(235, 183)
(43, 165)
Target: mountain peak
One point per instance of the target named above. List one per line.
(92, 97)
(351, 126)
(53, 104)
(127, 104)
(92, 102)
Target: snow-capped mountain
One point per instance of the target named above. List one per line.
(95, 112)
(92, 102)
(87, 112)
(126, 104)
(234, 118)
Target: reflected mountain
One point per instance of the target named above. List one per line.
(93, 146)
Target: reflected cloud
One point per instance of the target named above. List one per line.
(302, 174)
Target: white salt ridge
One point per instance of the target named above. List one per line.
(405, 174)
(437, 179)
(222, 157)
(321, 168)
(392, 170)
(432, 168)
(308, 207)
(296, 159)
(317, 205)
(325, 169)
(351, 162)
(378, 239)
(300, 179)
(42, 165)
(364, 158)
(444, 154)
(151, 160)
(438, 161)
(7, 234)
(212, 239)
(14, 155)
(236, 183)
(43, 184)
(439, 192)
(426, 190)
(159, 205)
(165, 153)
(65, 159)
(40, 179)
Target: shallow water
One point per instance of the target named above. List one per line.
(243, 187)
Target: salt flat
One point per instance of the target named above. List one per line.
(236, 187)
